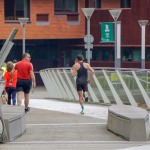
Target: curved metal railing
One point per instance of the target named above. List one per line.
(120, 86)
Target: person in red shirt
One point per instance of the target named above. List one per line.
(25, 79)
(10, 87)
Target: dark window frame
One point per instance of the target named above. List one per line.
(97, 3)
(63, 10)
(10, 13)
(125, 3)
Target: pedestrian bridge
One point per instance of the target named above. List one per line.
(109, 86)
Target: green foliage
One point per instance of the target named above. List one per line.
(129, 80)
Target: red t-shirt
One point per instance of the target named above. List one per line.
(23, 68)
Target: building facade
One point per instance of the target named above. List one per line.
(132, 11)
(56, 29)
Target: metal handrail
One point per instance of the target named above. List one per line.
(103, 86)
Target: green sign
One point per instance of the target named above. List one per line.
(107, 32)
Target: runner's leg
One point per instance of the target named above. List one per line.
(81, 101)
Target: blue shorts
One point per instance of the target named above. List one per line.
(23, 85)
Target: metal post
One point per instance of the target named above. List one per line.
(118, 44)
(115, 14)
(143, 24)
(143, 48)
(23, 22)
(23, 38)
(88, 13)
(88, 33)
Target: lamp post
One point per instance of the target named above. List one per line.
(23, 22)
(143, 24)
(88, 38)
(115, 14)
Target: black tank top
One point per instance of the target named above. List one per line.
(82, 75)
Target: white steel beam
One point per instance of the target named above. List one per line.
(69, 94)
(54, 85)
(116, 96)
(52, 91)
(102, 92)
(128, 93)
(143, 92)
(46, 83)
(74, 92)
(62, 91)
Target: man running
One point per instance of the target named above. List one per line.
(80, 69)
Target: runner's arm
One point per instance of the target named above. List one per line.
(74, 71)
(91, 73)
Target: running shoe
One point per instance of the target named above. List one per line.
(85, 95)
(27, 109)
(82, 112)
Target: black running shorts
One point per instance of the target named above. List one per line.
(82, 87)
(23, 85)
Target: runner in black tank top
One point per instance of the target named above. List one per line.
(80, 69)
(82, 75)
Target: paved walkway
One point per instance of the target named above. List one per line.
(54, 125)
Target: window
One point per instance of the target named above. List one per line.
(42, 19)
(97, 3)
(131, 54)
(105, 54)
(125, 3)
(15, 9)
(66, 5)
(147, 54)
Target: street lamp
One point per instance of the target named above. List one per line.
(23, 22)
(143, 24)
(88, 39)
(115, 14)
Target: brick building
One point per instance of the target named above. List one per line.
(56, 28)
